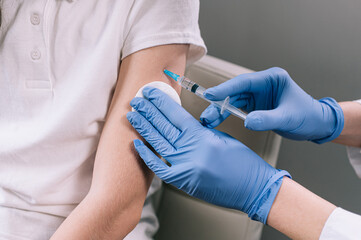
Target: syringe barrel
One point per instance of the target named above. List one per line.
(223, 105)
(191, 86)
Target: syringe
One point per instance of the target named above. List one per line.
(198, 90)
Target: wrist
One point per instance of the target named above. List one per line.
(351, 132)
(262, 204)
(334, 121)
(299, 213)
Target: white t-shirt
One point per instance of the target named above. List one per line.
(342, 224)
(59, 62)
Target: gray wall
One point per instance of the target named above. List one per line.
(319, 43)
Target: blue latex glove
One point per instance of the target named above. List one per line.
(276, 102)
(207, 164)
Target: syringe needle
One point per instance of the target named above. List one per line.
(199, 90)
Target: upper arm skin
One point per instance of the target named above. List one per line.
(121, 180)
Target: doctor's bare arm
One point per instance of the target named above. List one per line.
(299, 213)
(113, 206)
(351, 133)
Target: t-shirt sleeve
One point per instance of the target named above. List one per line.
(354, 155)
(161, 22)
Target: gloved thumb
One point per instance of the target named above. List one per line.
(265, 120)
(211, 117)
(153, 162)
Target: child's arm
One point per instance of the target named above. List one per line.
(121, 180)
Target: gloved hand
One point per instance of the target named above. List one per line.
(207, 164)
(275, 102)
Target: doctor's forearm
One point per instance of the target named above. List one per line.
(299, 213)
(351, 133)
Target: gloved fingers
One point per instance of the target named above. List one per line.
(274, 119)
(156, 118)
(175, 113)
(244, 83)
(153, 162)
(211, 116)
(150, 134)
